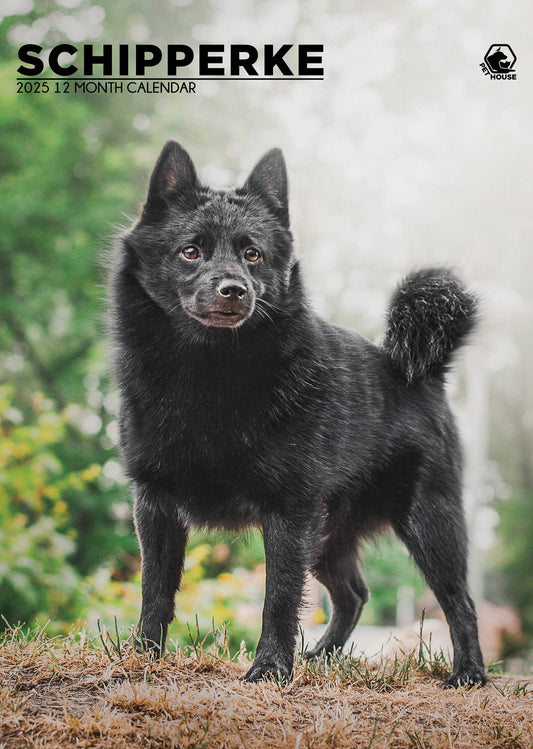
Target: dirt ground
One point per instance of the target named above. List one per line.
(69, 693)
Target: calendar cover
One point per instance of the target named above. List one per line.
(372, 141)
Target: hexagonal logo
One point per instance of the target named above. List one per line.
(500, 61)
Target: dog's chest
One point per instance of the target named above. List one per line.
(203, 419)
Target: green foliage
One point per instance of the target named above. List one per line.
(386, 567)
(36, 579)
(515, 554)
(225, 552)
(68, 174)
(223, 581)
(235, 597)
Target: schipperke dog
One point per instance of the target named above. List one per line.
(241, 407)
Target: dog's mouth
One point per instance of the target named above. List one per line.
(216, 318)
(219, 311)
(220, 319)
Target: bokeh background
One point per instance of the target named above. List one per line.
(405, 155)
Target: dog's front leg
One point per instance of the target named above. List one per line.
(163, 538)
(286, 552)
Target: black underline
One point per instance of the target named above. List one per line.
(177, 80)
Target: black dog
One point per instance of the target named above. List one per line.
(240, 406)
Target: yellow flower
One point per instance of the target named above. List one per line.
(226, 577)
(52, 492)
(319, 616)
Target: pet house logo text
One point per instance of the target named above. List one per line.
(499, 62)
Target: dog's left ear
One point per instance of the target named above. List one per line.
(269, 180)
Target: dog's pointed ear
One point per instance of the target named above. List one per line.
(268, 179)
(173, 181)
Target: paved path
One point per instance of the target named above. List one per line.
(371, 641)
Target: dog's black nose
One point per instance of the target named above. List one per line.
(231, 289)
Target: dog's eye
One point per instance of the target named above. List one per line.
(190, 252)
(252, 255)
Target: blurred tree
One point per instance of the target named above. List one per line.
(386, 567)
(67, 174)
(515, 554)
(63, 180)
(36, 578)
(72, 167)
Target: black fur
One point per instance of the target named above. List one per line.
(431, 314)
(240, 406)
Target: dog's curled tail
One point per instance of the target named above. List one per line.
(431, 314)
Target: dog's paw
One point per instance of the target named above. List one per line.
(143, 644)
(148, 641)
(317, 652)
(269, 670)
(466, 677)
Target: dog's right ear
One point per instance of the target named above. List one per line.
(269, 180)
(173, 182)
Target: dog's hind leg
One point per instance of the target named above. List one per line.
(433, 529)
(338, 570)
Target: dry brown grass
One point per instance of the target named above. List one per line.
(68, 693)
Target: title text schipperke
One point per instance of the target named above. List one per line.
(240, 406)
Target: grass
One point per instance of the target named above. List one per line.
(82, 691)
